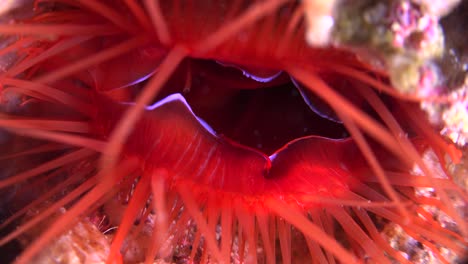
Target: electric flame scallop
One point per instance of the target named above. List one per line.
(216, 125)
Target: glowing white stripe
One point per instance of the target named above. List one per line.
(177, 97)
